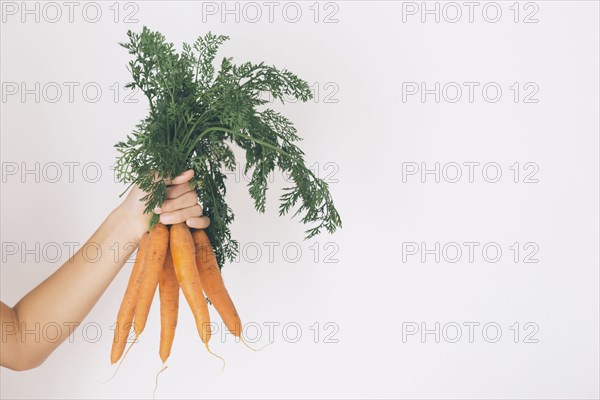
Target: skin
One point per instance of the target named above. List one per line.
(68, 295)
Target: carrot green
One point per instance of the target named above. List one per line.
(197, 113)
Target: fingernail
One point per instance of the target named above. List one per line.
(157, 210)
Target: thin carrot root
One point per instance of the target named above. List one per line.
(156, 380)
(121, 362)
(252, 348)
(216, 355)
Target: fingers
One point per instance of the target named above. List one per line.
(186, 200)
(181, 215)
(182, 203)
(184, 177)
(175, 191)
(198, 222)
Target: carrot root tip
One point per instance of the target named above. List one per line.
(122, 359)
(252, 348)
(156, 380)
(216, 355)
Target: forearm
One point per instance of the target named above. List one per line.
(65, 298)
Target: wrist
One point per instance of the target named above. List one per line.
(131, 225)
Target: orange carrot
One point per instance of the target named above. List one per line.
(212, 282)
(127, 309)
(158, 243)
(182, 251)
(168, 288)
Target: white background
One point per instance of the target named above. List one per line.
(361, 126)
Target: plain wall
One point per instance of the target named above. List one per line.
(361, 289)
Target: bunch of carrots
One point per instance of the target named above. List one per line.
(171, 258)
(197, 113)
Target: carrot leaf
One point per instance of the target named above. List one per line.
(197, 113)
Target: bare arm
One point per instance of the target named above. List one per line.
(64, 298)
(67, 296)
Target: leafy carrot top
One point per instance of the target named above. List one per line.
(196, 113)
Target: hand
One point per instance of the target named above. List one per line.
(181, 206)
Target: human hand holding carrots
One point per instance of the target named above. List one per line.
(173, 256)
(181, 206)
